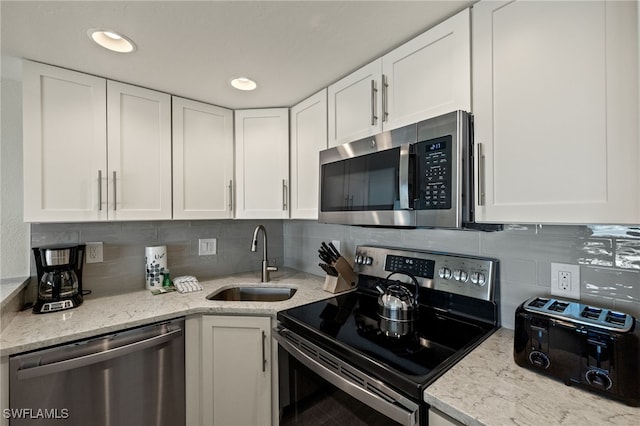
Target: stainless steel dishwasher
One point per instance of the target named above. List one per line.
(131, 377)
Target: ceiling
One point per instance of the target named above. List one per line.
(193, 48)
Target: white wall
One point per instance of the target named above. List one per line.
(14, 233)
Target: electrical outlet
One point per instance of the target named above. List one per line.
(207, 246)
(565, 280)
(93, 252)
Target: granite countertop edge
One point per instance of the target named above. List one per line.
(487, 388)
(101, 315)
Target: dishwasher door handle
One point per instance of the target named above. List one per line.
(69, 364)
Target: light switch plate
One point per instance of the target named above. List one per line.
(207, 246)
(565, 280)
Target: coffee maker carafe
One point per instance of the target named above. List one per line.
(59, 277)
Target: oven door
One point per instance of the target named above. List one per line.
(315, 385)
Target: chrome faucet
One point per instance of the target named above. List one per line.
(254, 247)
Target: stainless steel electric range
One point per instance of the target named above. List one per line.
(360, 358)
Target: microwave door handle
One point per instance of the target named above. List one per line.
(403, 177)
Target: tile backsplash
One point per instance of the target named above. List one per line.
(123, 266)
(609, 256)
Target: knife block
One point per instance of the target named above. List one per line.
(346, 279)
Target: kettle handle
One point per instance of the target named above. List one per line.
(410, 275)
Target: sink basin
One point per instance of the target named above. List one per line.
(253, 294)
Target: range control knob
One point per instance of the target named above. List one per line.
(598, 379)
(363, 260)
(461, 275)
(539, 359)
(444, 273)
(478, 278)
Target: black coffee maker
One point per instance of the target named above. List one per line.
(59, 277)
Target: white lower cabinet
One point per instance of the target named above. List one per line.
(437, 418)
(228, 372)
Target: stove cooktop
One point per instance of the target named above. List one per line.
(349, 325)
(457, 311)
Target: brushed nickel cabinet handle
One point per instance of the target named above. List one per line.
(481, 175)
(385, 99)
(99, 190)
(264, 354)
(284, 194)
(374, 92)
(114, 191)
(231, 195)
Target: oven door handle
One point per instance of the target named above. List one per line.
(393, 405)
(403, 177)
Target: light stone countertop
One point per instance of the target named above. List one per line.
(9, 287)
(488, 388)
(28, 331)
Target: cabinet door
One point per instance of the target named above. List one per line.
(555, 92)
(429, 75)
(236, 370)
(262, 163)
(355, 105)
(64, 145)
(139, 153)
(202, 160)
(308, 138)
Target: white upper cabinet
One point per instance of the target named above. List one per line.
(139, 153)
(64, 147)
(555, 100)
(428, 76)
(202, 160)
(262, 163)
(308, 138)
(355, 104)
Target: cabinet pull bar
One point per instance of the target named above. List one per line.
(114, 191)
(481, 175)
(374, 92)
(284, 194)
(385, 100)
(231, 195)
(99, 190)
(264, 355)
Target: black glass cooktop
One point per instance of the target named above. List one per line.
(408, 356)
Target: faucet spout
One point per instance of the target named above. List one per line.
(254, 247)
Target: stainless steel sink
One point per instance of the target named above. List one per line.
(253, 294)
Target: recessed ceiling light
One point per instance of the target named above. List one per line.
(112, 40)
(243, 83)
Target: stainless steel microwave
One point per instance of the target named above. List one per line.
(420, 175)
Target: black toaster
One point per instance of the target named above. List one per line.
(587, 346)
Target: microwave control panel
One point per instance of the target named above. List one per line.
(434, 174)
